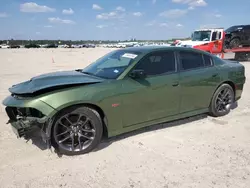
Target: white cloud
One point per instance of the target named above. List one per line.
(69, 11)
(118, 13)
(151, 23)
(110, 15)
(173, 13)
(3, 15)
(120, 9)
(198, 3)
(179, 25)
(208, 26)
(96, 7)
(101, 26)
(212, 15)
(190, 8)
(192, 3)
(153, 1)
(163, 24)
(138, 14)
(33, 7)
(59, 20)
(217, 15)
(48, 26)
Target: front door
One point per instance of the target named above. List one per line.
(154, 97)
(198, 81)
(217, 44)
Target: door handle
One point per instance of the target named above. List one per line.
(175, 84)
(215, 75)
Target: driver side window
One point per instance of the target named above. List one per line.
(158, 63)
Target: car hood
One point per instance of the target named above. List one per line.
(53, 80)
(190, 43)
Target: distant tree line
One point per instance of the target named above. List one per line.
(75, 42)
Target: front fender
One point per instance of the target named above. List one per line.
(68, 97)
(96, 94)
(104, 96)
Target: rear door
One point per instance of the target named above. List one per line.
(198, 80)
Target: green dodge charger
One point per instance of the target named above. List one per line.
(126, 89)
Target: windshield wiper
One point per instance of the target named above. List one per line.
(89, 73)
(78, 70)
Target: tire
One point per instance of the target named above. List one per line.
(219, 106)
(241, 56)
(234, 43)
(76, 125)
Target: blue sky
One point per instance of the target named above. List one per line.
(116, 19)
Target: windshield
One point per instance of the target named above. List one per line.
(201, 36)
(111, 65)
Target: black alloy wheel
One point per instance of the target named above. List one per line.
(77, 131)
(222, 101)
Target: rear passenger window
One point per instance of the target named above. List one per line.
(191, 60)
(207, 61)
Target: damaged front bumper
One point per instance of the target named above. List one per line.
(23, 126)
(26, 115)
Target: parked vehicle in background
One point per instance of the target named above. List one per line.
(89, 45)
(5, 46)
(237, 35)
(14, 46)
(51, 46)
(210, 40)
(75, 46)
(32, 46)
(213, 41)
(124, 90)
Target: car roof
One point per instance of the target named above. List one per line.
(148, 49)
(237, 26)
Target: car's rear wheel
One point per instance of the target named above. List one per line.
(77, 130)
(222, 101)
(235, 43)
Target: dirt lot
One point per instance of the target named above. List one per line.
(197, 152)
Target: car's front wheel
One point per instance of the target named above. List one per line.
(77, 130)
(222, 101)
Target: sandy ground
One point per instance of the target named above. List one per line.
(197, 152)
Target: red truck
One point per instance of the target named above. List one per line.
(212, 40)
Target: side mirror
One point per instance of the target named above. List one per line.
(137, 74)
